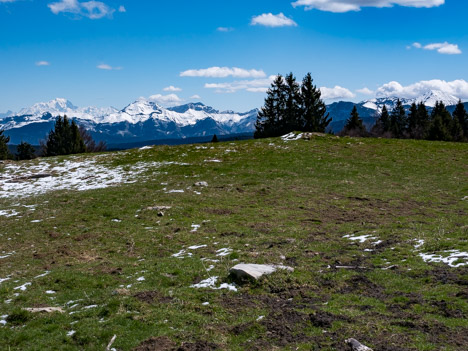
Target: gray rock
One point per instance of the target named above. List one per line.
(255, 271)
(356, 345)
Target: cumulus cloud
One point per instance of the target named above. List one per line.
(91, 9)
(195, 96)
(223, 72)
(271, 20)
(341, 6)
(444, 48)
(172, 88)
(365, 91)
(106, 67)
(42, 63)
(458, 88)
(166, 100)
(336, 93)
(253, 85)
(122, 9)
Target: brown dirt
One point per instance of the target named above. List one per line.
(161, 343)
(199, 346)
(150, 297)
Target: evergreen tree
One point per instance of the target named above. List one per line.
(398, 121)
(292, 113)
(382, 126)
(215, 139)
(65, 139)
(461, 116)
(25, 151)
(314, 111)
(270, 117)
(441, 126)
(354, 125)
(90, 144)
(4, 152)
(413, 120)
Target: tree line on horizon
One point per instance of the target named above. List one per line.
(66, 138)
(418, 123)
(290, 106)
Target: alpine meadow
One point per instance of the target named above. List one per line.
(265, 175)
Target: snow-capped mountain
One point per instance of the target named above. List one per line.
(429, 99)
(141, 120)
(60, 107)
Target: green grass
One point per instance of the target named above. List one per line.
(270, 201)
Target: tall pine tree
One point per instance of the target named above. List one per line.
(4, 152)
(461, 116)
(441, 123)
(354, 125)
(65, 139)
(398, 120)
(314, 111)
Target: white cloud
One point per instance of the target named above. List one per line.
(166, 100)
(253, 86)
(91, 9)
(195, 96)
(444, 48)
(336, 93)
(223, 72)
(365, 91)
(458, 88)
(341, 6)
(42, 63)
(417, 45)
(172, 88)
(8, 0)
(271, 20)
(122, 9)
(106, 67)
(224, 29)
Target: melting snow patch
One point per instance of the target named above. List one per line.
(8, 213)
(7, 255)
(419, 244)
(37, 221)
(453, 259)
(71, 333)
(3, 319)
(182, 254)
(175, 191)
(4, 280)
(22, 287)
(50, 292)
(211, 284)
(29, 178)
(90, 307)
(196, 247)
(42, 275)
(141, 279)
(116, 220)
(292, 136)
(145, 148)
(223, 252)
(195, 227)
(361, 239)
(214, 161)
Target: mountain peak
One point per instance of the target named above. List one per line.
(432, 97)
(196, 106)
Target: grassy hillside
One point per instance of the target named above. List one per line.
(359, 220)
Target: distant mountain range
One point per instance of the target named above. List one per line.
(145, 120)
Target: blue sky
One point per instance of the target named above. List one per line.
(224, 53)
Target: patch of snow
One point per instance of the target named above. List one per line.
(6, 255)
(292, 136)
(361, 239)
(175, 191)
(3, 319)
(182, 254)
(90, 307)
(42, 275)
(419, 244)
(210, 268)
(196, 247)
(214, 161)
(211, 284)
(205, 303)
(50, 292)
(260, 318)
(8, 213)
(22, 287)
(223, 252)
(76, 173)
(36, 221)
(195, 228)
(116, 220)
(450, 259)
(145, 148)
(71, 333)
(141, 279)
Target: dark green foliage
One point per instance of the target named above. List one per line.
(65, 139)
(354, 125)
(418, 121)
(382, 126)
(25, 151)
(289, 106)
(460, 117)
(441, 124)
(215, 139)
(4, 152)
(314, 110)
(398, 121)
(90, 144)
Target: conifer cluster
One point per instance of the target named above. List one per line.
(4, 152)
(291, 106)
